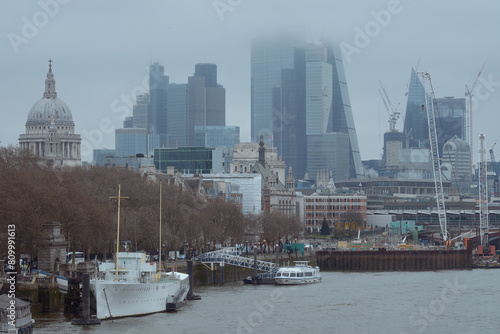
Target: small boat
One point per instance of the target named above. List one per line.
(301, 273)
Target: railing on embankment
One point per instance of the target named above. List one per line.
(394, 260)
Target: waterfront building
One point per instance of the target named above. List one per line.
(130, 142)
(332, 207)
(50, 130)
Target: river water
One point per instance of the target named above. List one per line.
(388, 302)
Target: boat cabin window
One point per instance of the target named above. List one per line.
(292, 274)
(286, 274)
(309, 274)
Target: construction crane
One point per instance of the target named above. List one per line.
(431, 108)
(496, 169)
(483, 195)
(470, 93)
(391, 109)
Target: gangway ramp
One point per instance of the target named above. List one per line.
(231, 255)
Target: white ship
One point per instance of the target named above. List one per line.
(137, 288)
(302, 273)
(131, 286)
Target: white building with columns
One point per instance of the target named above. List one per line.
(50, 131)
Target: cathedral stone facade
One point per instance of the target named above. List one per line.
(50, 131)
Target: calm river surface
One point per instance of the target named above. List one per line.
(388, 302)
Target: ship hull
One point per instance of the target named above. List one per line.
(123, 299)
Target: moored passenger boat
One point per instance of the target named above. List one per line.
(301, 273)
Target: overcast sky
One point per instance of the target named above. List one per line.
(102, 49)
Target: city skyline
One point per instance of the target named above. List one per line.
(107, 63)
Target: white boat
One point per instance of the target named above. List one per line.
(137, 288)
(131, 286)
(301, 273)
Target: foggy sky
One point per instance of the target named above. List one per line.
(102, 49)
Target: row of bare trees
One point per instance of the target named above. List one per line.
(33, 192)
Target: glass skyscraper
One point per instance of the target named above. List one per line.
(299, 91)
(158, 83)
(177, 120)
(278, 99)
(451, 119)
(415, 128)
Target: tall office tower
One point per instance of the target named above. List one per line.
(158, 83)
(197, 111)
(451, 119)
(278, 99)
(206, 100)
(415, 128)
(140, 111)
(177, 116)
(342, 119)
(328, 147)
(128, 122)
(279, 89)
(207, 70)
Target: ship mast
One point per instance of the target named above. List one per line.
(118, 230)
(159, 245)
